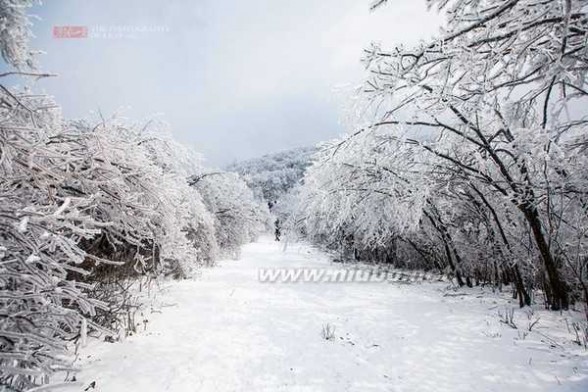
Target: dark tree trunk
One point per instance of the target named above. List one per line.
(559, 298)
(516, 276)
(448, 246)
(524, 298)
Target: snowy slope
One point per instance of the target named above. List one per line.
(228, 332)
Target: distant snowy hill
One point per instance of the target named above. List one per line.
(274, 175)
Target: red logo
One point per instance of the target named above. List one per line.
(70, 32)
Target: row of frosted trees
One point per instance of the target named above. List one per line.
(86, 208)
(476, 161)
(85, 205)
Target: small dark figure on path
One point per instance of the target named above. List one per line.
(278, 231)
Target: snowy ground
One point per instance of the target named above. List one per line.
(226, 331)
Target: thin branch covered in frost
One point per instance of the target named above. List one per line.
(15, 34)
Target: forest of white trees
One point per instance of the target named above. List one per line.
(273, 176)
(87, 207)
(275, 180)
(473, 159)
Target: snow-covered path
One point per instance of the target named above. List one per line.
(229, 332)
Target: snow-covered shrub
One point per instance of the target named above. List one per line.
(328, 332)
(238, 217)
(145, 200)
(40, 232)
(82, 207)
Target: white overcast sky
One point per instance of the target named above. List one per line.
(233, 78)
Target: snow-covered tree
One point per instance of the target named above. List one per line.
(40, 231)
(238, 216)
(492, 112)
(147, 200)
